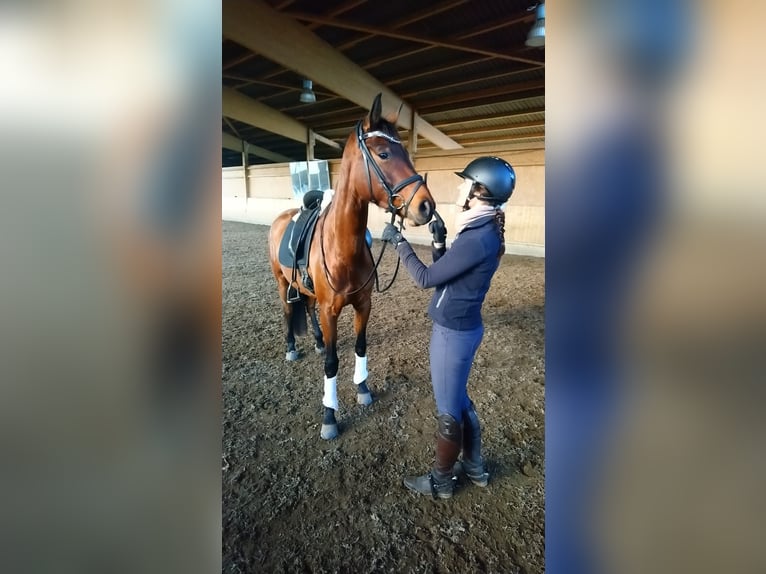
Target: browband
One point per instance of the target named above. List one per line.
(380, 134)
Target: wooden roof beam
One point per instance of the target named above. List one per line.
(257, 26)
(230, 142)
(418, 39)
(240, 107)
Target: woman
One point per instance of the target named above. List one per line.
(461, 276)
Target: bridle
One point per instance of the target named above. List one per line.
(392, 191)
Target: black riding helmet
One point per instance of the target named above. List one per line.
(495, 174)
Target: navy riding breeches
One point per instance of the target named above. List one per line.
(451, 357)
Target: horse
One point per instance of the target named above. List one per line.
(375, 168)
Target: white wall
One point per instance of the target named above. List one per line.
(269, 192)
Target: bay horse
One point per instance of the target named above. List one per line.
(375, 168)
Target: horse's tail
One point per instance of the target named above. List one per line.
(298, 317)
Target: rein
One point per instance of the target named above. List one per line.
(374, 271)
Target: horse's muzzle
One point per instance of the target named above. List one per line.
(424, 213)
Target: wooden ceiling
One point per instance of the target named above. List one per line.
(457, 72)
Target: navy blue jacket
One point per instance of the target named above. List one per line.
(461, 275)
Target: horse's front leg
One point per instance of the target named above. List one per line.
(329, 319)
(361, 316)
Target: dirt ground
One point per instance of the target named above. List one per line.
(293, 502)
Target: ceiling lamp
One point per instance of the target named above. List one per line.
(307, 95)
(536, 36)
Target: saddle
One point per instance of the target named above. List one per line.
(296, 243)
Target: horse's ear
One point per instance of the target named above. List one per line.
(375, 111)
(398, 113)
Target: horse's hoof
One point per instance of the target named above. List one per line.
(319, 350)
(329, 432)
(364, 398)
(291, 356)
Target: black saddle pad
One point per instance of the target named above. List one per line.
(294, 247)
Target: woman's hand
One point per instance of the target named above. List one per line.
(392, 235)
(438, 230)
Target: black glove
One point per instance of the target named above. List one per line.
(438, 230)
(392, 235)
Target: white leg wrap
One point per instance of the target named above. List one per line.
(330, 398)
(360, 369)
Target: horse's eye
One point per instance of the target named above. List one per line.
(383, 155)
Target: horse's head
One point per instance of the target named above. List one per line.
(386, 170)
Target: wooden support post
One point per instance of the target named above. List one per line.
(244, 168)
(310, 143)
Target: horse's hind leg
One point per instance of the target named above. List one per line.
(287, 311)
(311, 306)
(361, 316)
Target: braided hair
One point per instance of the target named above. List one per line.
(481, 192)
(500, 227)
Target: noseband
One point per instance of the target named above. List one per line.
(392, 192)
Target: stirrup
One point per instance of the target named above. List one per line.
(296, 297)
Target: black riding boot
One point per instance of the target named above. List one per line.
(473, 463)
(439, 483)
